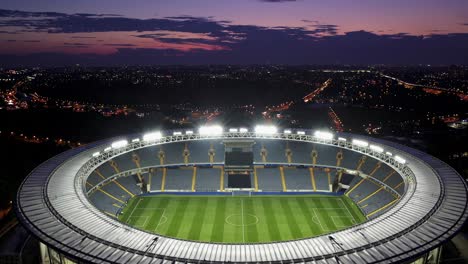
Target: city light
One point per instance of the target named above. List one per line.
(287, 131)
(107, 149)
(389, 153)
(300, 132)
(376, 148)
(400, 159)
(360, 143)
(152, 136)
(266, 129)
(189, 132)
(177, 133)
(119, 144)
(341, 139)
(135, 140)
(95, 154)
(233, 130)
(243, 130)
(323, 135)
(210, 130)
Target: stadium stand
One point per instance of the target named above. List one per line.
(179, 178)
(298, 178)
(155, 179)
(321, 179)
(208, 179)
(275, 151)
(269, 179)
(106, 203)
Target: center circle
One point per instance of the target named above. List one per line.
(242, 220)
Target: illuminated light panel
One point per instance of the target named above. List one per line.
(135, 140)
(266, 130)
(243, 130)
(177, 133)
(323, 135)
(389, 153)
(152, 136)
(376, 148)
(341, 139)
(233, 130)
(210, 130)
(107, 149)
(287, 131)
(189, 132)
(119, 144)
(360, 143)
(400, 159)
(300, 132)
(95, 154)
(352, 172)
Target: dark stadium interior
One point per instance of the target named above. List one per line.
(239, 180)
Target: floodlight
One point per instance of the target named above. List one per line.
(210, 130)
(177, 133)
(388, 153)
(153, 136)
(400, 159)
(360, 143)
(119, 144)
(107, 149)
(323, 135)
(287, 131)
(300, 132)
(233, 130)
(341, 139)
(95, 154)
(266, 129)
(243, 130)
(376, 148)
(135, 140)
(188, 132)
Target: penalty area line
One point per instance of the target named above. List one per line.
(131, 213)
(160, 218)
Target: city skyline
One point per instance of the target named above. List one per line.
(221, 32)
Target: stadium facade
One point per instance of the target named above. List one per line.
(412, 201)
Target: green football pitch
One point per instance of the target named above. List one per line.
(241, 219)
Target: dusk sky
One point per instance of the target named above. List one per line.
(117, 32)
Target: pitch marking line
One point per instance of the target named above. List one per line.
(151, 208)
(138, 218)
(131, 213)
(242, 208)
(159, 222)
(333, 217)
(227, 220)
(316, 216)
(349, 212)
(315, 220)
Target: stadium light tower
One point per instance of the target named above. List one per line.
(153, 136)
(376, 148)
(214, 130)
(323, 135)
(266, 129)
(360, 143)
(400, 159)
(119, 144)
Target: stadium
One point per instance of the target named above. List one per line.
(242, 195)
